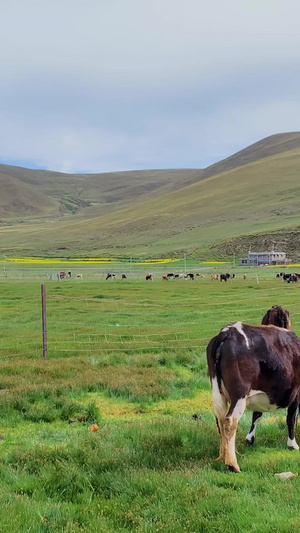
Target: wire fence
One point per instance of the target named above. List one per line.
(79, 326)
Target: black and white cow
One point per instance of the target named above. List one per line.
(255, 368)
(110, 276)
(190, 275)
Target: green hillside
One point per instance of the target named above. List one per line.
(273, 145)
(85, 195)
(255, 202)
(20, 200)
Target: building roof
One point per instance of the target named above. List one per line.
(266, 253)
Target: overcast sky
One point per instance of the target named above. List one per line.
(103, 85)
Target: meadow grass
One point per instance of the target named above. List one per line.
(131, 358)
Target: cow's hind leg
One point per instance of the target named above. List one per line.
(255, 419)
(291, 421)
(233, 416)
(220, 409)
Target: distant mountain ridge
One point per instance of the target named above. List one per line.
(203, 213)
(269, 146)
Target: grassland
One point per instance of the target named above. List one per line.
(249, 199)
(130, 356)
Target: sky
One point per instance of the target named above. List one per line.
(100, 86)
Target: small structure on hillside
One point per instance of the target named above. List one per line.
(265, 258)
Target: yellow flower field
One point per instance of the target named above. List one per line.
(157, 261)
(86, 260)
(57, 261)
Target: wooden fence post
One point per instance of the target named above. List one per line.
(44, 321)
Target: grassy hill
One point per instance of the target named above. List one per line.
(20, 200)
(273, 145)
(251, 197)
(87, 195)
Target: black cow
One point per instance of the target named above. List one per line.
(256, 368)
(224, 277)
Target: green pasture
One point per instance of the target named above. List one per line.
(134, 268)
(129, 355)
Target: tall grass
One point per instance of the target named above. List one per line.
(132, 361)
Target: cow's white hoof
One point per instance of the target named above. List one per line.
(292, 444)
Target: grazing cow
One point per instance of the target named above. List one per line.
(178, 276)
(290, 278)
(171, 275)
(255, 368)
(214, 277)
(79, 276)
(224, 277)
(286, 277)
(165, 277)
(244, 276)
(110, 276)
(293, 278)
(62, 275)
(149, 277)
(124, 276)
(201, 276)
(277, 316)
(190, 275)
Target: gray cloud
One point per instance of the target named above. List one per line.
(95, 85)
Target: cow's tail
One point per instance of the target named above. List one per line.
(214, 355)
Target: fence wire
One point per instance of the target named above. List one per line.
(90, 326)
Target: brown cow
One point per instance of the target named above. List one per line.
(214, 277)
(279, 317)
(256, 368)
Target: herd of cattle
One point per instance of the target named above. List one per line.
(289, 278)
(255, 368)
(189, 275)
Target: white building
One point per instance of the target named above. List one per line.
(264, 258)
